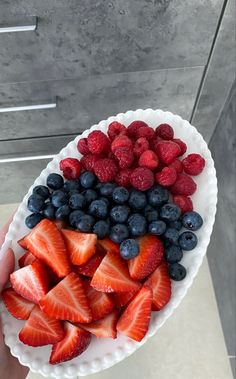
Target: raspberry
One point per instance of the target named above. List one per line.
(165, 131)
(145, 131)
(142, 178)
(183, 202)
(148, 159)
(105, 169)
(193, 164)
(71, 168)
(184, 185)
(182, 145)
(123, 177)
(167, 151)
(115, 129)
(134, 126)
(82, 146)
(124, 156)
(88, 161)
(166, 177)
(177, 165)
(121, 141)
(98, 142)
(140, 146)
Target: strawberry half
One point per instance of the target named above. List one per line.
(150, 255)
(109, 245)
(22, 243)
(67, 301)
(40, 330)
(89, 268)
(113, 276)
(100, 303)
(135, 319)
(46, 243)
(19, 307)
(123, 298)
(105, 327)
(74, 343)
(80, 246)
(26, 259)
(31, 281)
(160, 283)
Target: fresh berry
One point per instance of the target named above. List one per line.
(55, 181)
(181, 144)
(89, 196)
(26, 259)
(33, 219)
(129, 249)
(119, 214)
(42, 191)
(80, 246)
(137, 225)
(124, 156)
(145, 132)
(98, 208)
(157, 196)
(121, 141)
(87, 179)
(22, 243)
(45, 242)
(31, 281)
(105, 169)
(77, 201)
(167, 151)
(192, 221)
(113, 276)
(141, 145)
(100, 303)
(71, 168)
(135, 320)
(40, 330)
(35, 203)
(63, 212)
(88, 161)
(101, 229)
(177, 271)
(150, 213)
(177, 165)
(184, 185)
(89, 268)
(193, 164)
(109, 245)
(105, 327)
(19, 307)
(157, 228)
(119, 233)
(160, 284)
(148, 159)
(175, 224)
(142, 178)
(82, 146)
(86, 223)
(166, 177)
(188, 241)
(98, 142)
(134, 126)
(165, 131)
(75, 217)
(150, 255)
(170, 212)
(123, 177)
(59, 198)
(171, 236)
(173, 254)
(115, 128)
(71, 185)
(123, 298)
(120, 195)
(107, 189)
(49, 211)
(183, 202)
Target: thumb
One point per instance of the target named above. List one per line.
(7, 264)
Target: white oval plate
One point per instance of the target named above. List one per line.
(104, 353)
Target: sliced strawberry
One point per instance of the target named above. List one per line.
(18, 306)
(60, 224)
(160, 283)
(31, 281)
(74, 343)
(46, 243)
(135, 319)
(100, 303)
(113, 276)
(80, 246)
(89, 268)
(123, 298)
(22, 243)
(150, 256)
(67, 301)
(26, 259)
(40, 330)
(109, 245)
(105, 327)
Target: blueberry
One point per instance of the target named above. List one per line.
(88, 179)
(86, 223)
(77, 201)
(150, 213)
(72, 192)
(173, 254)
(106, 200)
(175, 224)
(98, 208)
(157, 228)
(55, 181)
(42, 191)
(137, 200)
(119, 233)
(137, 225)
(63, 212)
(89, 196)
(36, 203)
(59, 198)
(75, 217)
(119, 213)
(120, 195)
(171, 235)
(71, 185)
(32, 220)
(188, 241)
(157, 196)
(101, 228)
(192, 221)
(170, 212)
(129, 249)
(177, 271)
(107, 189)
(49, 211)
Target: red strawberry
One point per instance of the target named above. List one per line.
(40, 330)
(60, 224)
(26, 259)
(80, 246)
(167, 151)
(18, 306)
(109, 245)
(89, 268)
(46, 243)
(31, 281)
(123, 298)
(160, 283)
(184, 185)
(113, 276)
(67, 301)
(22, 243)
(74, 343)
(150, 255)
(135, 320)
(100, 303)
(105, 327)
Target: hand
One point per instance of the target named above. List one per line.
(9, 365)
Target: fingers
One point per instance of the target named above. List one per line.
(4, 230)
(6, 267)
